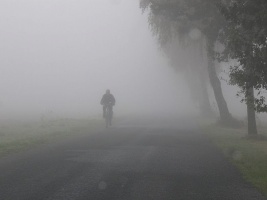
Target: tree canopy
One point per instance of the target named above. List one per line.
(190, 20)
(239, 25)
(245, 40)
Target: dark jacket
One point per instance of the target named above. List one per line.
(107, 99)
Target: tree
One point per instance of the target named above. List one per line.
(188, 60)
(169, 18)
(245, 40)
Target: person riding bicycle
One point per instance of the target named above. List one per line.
(107, 101)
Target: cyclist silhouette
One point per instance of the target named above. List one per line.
(107, 101)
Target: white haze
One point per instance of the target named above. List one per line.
(59, 56)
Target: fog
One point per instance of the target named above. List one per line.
(59, 56)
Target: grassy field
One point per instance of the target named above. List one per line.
(18, 136)
(248, 155)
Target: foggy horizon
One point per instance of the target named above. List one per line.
(59, 57)
(133, 99)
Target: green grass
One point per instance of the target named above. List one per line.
(15, 136)
(248, 155)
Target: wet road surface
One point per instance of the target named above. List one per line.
(124, 163)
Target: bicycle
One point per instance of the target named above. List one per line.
(108, 115)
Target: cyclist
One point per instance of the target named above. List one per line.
(107, 101)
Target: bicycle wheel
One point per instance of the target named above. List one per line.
(107, 118)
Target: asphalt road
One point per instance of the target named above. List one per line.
(127, 162)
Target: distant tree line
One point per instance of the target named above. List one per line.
(207, 32)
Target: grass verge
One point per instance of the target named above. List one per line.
(15, 136)
(248, 155)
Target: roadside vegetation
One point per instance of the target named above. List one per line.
(18, 136)
(200, 37)
(196, 36)
(248, 154)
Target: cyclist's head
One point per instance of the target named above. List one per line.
(108, 91)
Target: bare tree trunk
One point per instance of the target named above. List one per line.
(225, 116)
(198, 94)
(198, 65)
(252, 127)
(196, 77)
(205, 106)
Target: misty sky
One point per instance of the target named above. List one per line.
(61, 56)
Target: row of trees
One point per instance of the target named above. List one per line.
(213, 31)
